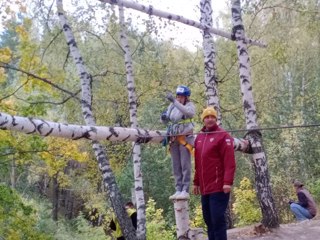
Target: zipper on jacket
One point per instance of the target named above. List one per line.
(203, 145)
(216, 175)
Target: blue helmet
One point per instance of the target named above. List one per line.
(183, 91)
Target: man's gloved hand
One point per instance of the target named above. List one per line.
(170, 97)
(164, 116)
(290, 201)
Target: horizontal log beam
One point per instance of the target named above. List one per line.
(46, 128)
(116, 134)
(152, 11)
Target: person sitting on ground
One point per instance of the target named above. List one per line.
(115, 226)
(306, 207)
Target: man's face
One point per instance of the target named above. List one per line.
(181, 99)
(209, 121)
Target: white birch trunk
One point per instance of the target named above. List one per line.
(46, 128)
(181, 213)
(152, 11)
(259, 161)
(86, 104)
(210, 79)
(136, 154)
(209, 52)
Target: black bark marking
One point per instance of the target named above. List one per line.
(14, 121)
(113, 133)
(4, 123)
(242, 66)
(126, 138)
(243, 52)
(48, 133)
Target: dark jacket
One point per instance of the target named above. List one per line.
(306, 200)
(214, 160)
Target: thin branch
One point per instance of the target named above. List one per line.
(98, 37)
(49, 102)
(52, 40)
(115, 40)
(11, 94)
(139, 43)
(5, 65)
(66, 60)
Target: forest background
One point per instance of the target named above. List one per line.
(51, 188)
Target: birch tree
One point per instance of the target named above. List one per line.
(259, 159)
(136, 154)
(86, 104)
(209, 52)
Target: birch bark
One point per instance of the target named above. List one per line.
(86, 104)
(136, 154)
(209, 52)
(259, 160)
(210, 79)
(45, 128)
(152, 11)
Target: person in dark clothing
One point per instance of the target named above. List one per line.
(214, 173)
(115, 226)
(306, 207)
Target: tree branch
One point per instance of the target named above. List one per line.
(7, 66)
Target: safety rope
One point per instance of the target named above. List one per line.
(252, 129)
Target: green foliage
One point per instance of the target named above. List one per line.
(156, 225)
(17, 219)
(314, 188)
(246, 206)
(78, 229)
(197, 221)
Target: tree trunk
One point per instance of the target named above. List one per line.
(209, 52)
(210, 80)
(86, 104)
(181, 213)
(259, 160)
(55, 197)
(46, 128)
(13, 173)
(136, 154)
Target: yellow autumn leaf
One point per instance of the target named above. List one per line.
(3, 76)
(5, 54)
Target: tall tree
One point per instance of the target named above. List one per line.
(259, 159)
(136, 154)
(209, 52)
(86, 104)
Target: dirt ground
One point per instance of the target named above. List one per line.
(306, 230)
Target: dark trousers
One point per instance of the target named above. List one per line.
(214, 206)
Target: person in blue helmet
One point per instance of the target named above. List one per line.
(179, 116)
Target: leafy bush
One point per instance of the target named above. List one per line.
(17, 219)
(246, 205)
(156, 226)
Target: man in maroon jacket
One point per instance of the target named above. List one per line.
(214, 173)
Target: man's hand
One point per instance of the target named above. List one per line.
(196, 190)
(290, 201)
(226, 188)
(170, 97)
